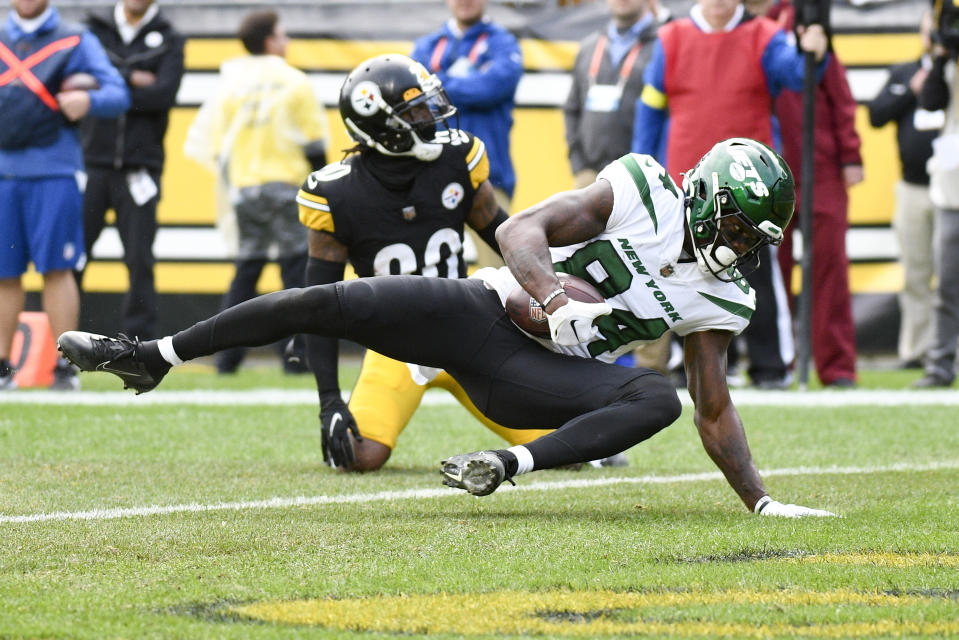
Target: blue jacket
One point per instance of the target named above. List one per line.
(55, 150)
(479, 69)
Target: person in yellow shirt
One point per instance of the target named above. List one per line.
(261, 131)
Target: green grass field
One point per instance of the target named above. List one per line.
(166, 516)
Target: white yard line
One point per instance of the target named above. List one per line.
(741, 397)
(416, 494)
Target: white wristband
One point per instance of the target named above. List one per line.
(550, 297)
(761, 503)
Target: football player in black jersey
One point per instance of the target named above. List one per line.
(397, 204)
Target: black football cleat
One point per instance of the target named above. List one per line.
(119, 356)
(933, 381)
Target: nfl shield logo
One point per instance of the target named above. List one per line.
(536, 312)
(409, 213)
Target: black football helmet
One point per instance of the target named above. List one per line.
(391, 103)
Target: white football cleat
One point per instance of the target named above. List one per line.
(478, 473)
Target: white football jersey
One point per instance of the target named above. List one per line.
(637, 263)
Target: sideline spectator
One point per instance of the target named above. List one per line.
(41, 165)
(914, 217)
(939, 92)
(837, 166)
(124, 156)
(264, 130)
(601, 105)
(607, 80)
(480, 64)
(722, 66)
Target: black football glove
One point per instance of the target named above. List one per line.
(336, 424)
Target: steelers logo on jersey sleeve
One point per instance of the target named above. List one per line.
(452, 195)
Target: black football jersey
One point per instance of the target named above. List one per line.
(418, 231)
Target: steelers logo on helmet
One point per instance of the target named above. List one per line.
(365, 98)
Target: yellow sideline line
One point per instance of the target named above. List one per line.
(601, 612)
(880, 559)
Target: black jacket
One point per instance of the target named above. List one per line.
(135, 139)
(896, 102)
(596, 138)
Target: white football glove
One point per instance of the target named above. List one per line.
(769, 507)
(572, 323)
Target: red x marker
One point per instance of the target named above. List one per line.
(21, 68)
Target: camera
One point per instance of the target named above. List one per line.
(813, 12)
(945, 14)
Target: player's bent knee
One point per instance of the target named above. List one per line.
(658, 398)
(370, 455)
(308, 308)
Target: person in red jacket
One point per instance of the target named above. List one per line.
(715, 75)
(837, 166)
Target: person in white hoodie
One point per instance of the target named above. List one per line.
(939, 92)
(261, 131)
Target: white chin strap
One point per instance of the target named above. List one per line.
(422, 151)
(425, 151)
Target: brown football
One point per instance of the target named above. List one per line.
(79, 82)
(528, 315)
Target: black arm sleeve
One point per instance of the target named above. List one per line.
(890, 104)
(161, 96)
(488, 233)
(935, 92)
(322, 353)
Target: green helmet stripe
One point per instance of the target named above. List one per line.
(730, 306)
(640, 179)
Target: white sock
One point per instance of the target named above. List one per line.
(166, 350)
(524, 459)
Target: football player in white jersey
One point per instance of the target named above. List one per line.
(662, 258)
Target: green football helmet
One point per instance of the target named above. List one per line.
(738, 198)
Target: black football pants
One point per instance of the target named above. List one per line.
(769, 335)
(597, 409)
(137, 225)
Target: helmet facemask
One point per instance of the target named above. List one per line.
(417, 119)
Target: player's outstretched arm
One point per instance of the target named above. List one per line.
(721, 429)
(326, 264)
(717, 420)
